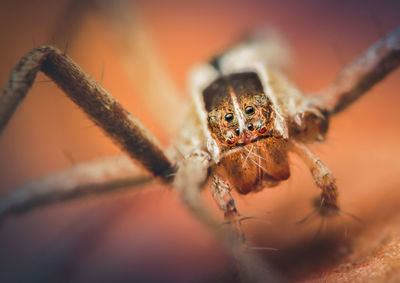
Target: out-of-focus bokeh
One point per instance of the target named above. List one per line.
(149, 236)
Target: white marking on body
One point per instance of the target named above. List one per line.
(247, 156)
(258, 164)
(255, 154)
(238, 111)
(199, 78)
(279, 121)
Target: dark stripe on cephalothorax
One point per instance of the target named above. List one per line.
(243, 85)
(217, 93)
(246, 85)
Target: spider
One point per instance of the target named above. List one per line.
(246, 117)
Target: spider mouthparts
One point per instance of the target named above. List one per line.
(247, 137)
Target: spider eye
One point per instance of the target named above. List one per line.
(229, 117)
(237, 131)
(262, 130)
(250, 127)
(249, 110)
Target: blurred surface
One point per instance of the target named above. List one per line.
(149, 236)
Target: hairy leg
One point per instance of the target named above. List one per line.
(98, 104)
(95, 177)
(222, 194)
(322, 176)
(363, 73)
(189, 180)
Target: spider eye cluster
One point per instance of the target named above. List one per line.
(255, 124)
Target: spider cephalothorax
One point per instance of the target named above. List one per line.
(241, 118)
(239, 112)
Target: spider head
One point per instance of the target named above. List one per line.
(239, 112)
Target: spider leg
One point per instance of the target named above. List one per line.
(364, 72)
(98, 104)
(323, 178)
(190, 178)
(95, 177)
(222, 194)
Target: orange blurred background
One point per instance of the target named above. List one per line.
(149, 236)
